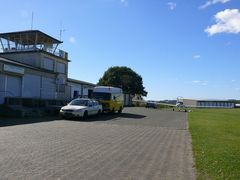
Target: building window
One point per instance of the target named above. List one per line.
(48, 64)
(61, 68)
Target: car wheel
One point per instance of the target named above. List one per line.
(85, 115)
(99, 112)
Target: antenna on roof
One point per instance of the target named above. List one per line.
(61, 31)
(32, 21)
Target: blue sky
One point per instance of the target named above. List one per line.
(182, 48)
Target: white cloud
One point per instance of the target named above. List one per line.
(72, 40)
(227, 21)
(172, 5)
(124, 2)
(212, 2)
(233, 80)
(196, 82)
(203, 83)
(196, 56)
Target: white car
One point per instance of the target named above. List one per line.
(81, 107)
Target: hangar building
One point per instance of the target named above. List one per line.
(208, 103)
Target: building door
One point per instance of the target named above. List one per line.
(48, 88)
(32, 85)
(85, 93)
(75, 94)
(14, 86)
(90, 92)
(2, 88)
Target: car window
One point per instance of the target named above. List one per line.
(79, 102)
(90, 103)
(95, 103)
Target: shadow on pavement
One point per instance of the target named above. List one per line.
(4, 121)
(7, 121)
(131, 116)
(109, 117)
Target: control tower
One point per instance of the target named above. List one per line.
(31, 47)
(41, 62)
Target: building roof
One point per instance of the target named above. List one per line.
(214, 100)
(29, 37)
(80, 82)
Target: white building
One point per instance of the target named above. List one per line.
(31, 67)
(80, 88)
(208, 103)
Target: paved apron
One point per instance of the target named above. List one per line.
(138, 144)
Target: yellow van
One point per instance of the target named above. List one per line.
(110, 97)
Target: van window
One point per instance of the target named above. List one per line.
(102, 96)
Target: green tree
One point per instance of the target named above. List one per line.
(125, 78)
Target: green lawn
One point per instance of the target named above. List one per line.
(216, 142)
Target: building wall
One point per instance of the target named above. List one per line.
(83, 89)
(31, 84)
(76, 90)
(128, 99)
(208, 103)
(40, 60)
(64, 93)
(190, 102)
(57, 63)
(215, 104)
(31, 59)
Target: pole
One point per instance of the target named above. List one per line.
(32, 21)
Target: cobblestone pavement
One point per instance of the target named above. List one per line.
(138, 144)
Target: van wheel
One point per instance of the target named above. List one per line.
(120, 110)
(85, 115)
(113, 111)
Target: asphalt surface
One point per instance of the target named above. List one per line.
(138, 144)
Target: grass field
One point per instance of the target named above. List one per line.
(216, 142)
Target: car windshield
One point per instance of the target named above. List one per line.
(79, 102)
(101, 96)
